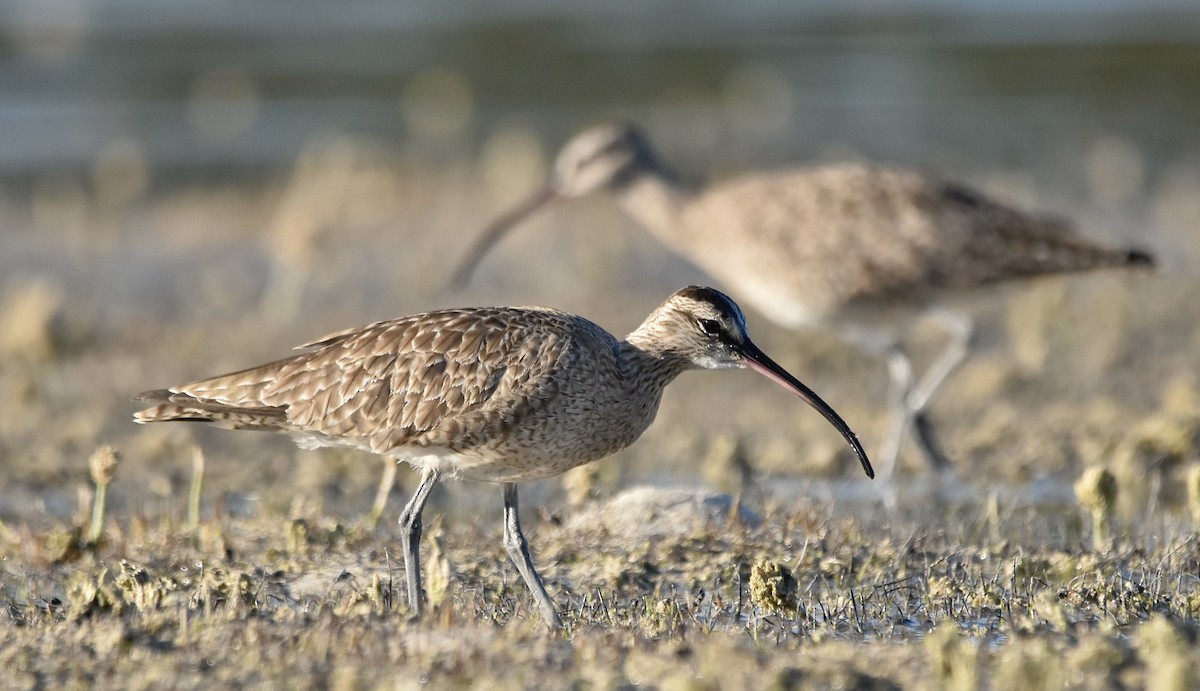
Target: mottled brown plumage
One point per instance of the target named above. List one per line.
(852, 248)
(493, 394)
(810, 247)
(472, 383)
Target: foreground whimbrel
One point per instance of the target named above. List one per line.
(851, 248)
(492, 394)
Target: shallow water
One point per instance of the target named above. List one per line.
(958, 85)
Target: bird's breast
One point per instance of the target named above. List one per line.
(587, 419)
(582, 411)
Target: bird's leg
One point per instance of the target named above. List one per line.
(959, 329)
(391, 466)
(899, 415)
(923, 432)
(518, 551)
(410, 522)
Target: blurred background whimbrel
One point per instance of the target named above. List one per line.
(502, 395)
(856, 249)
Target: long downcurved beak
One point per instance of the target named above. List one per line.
(759, 362)
(494, 232)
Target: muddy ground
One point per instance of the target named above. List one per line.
(806, 575)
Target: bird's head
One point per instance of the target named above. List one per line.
(705, 329)
(603, 157)
(600, 157)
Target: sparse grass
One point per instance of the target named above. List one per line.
(315, 603)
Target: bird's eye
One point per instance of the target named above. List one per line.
(710, 327)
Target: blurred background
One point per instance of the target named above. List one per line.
(190, 187)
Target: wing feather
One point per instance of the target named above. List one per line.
(446, 378)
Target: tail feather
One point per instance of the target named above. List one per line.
(1078, 255)
(176, 407)
(153, 395)
(1029, 247)
(1137, 257)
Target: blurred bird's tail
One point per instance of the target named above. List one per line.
(1049, 246)
(1136, 257)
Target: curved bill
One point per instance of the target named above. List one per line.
(494, 232)
(759, 362)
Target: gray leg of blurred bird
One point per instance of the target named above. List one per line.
(959, 328)
(899, 415)
(386, 482)
(926, 439)
(518, 551)
(410, 522)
